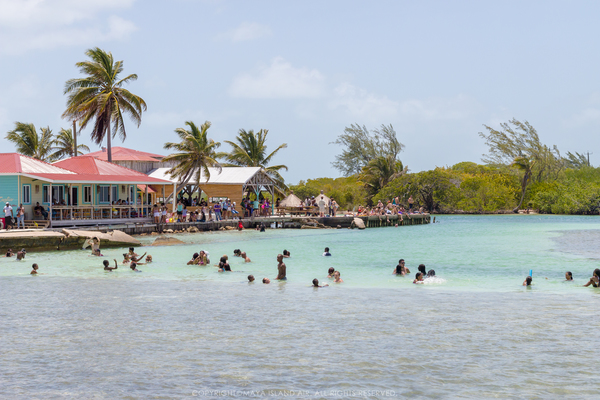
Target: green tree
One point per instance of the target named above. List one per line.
(64, 145)
(348, 192)
(379, 172)
(362, 146)
(250, 150)
(577, 160)
(28, 142)
(519, 145)
(100, 97)
(195, 153)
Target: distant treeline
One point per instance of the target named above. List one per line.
(519, 172)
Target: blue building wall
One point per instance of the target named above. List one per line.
(9, 189)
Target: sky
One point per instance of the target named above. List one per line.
(437, 71)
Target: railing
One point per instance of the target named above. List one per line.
(64, 213)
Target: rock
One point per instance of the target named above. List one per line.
(221, 229)
(166, 241)
(168, 230)
(339, 227)
(153, 233)
(359, 223)
(230, 228)
(309, 227)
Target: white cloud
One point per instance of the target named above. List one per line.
(44, 24)
(371, 107)
(362, 104)
(246, 31)
(278, 80)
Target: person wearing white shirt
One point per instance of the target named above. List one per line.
(8, 214)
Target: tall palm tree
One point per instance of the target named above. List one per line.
(64, 145)
(100, 97)
(195, 154)
(29, 143)
(379, 172)
(251, 151)
(526, 165)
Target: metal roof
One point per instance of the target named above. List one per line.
(227, 176)
(125, 154)
(73, 170)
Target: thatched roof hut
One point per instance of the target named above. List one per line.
(290, 201)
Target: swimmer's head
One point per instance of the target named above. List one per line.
(279, 257)
(597, 272)
(266, 280)
(326, 249)
(528, 280)
(336, 274)
(568, 275)
(422, 268)
(315, 282)
(401, 261)
(195, 256)
(106, 263)
(250, 278)
(223, 260)
(419, 276)
(148, 258)
(131, 249)
(132, 265)
(34, 266)
(236, 252)
(431, 273)
(286, 253)
(331, 270)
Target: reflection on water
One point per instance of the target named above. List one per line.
(79, 332)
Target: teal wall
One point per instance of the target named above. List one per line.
(9, 189)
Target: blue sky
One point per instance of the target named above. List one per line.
(436, 70)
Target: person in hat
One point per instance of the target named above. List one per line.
(8, 214)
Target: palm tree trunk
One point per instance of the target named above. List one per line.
(523, 190)
(74, 139)
(108, 146)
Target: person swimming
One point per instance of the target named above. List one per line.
(224, 265)
(595, 279)
(286, 254)
(430, 273)
(126, 259)
(250, 278)
(330, 272)
(132, 253)
(336, 277)
(245, 257)
(281, 268)
(326, 253)
(528, 281)
(315, 283)
(133, 267)
(401, 268)
(95, 243)
(422, 269)
(34, 270)
(148, 259)
(418, 278)
(568, 276)
(266, 281)
(9, 253)
(193, 260)
(237, 253)
(107, 266)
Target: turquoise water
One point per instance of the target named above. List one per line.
(183, 331)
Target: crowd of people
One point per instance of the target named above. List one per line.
(132, 259)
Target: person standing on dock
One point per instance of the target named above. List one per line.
(281, 268)
(321, 207)
(20, 216)
(411, 202)
(8, 214)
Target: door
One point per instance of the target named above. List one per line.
(75, 200)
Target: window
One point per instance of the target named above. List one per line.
(58, 193)
(115, 193)
(45, 195)
(26, 194)
(103, 193)
(87, 194)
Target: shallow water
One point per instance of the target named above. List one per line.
(176, 330)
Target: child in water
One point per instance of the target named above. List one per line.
(418, 278)
(34, 270)
(568, 276)
(528, 281)
(595, 279)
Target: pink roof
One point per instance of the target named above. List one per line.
(82, 169)
(125, 154)
(15, 163)
(99, 170)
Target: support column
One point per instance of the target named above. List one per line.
(50, 206)
(174, 197)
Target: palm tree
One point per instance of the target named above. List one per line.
(29, 143)
(195, 154)
(379, 172)
(65, 145)
(100, 97)
(250, 151)
(526, 165)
